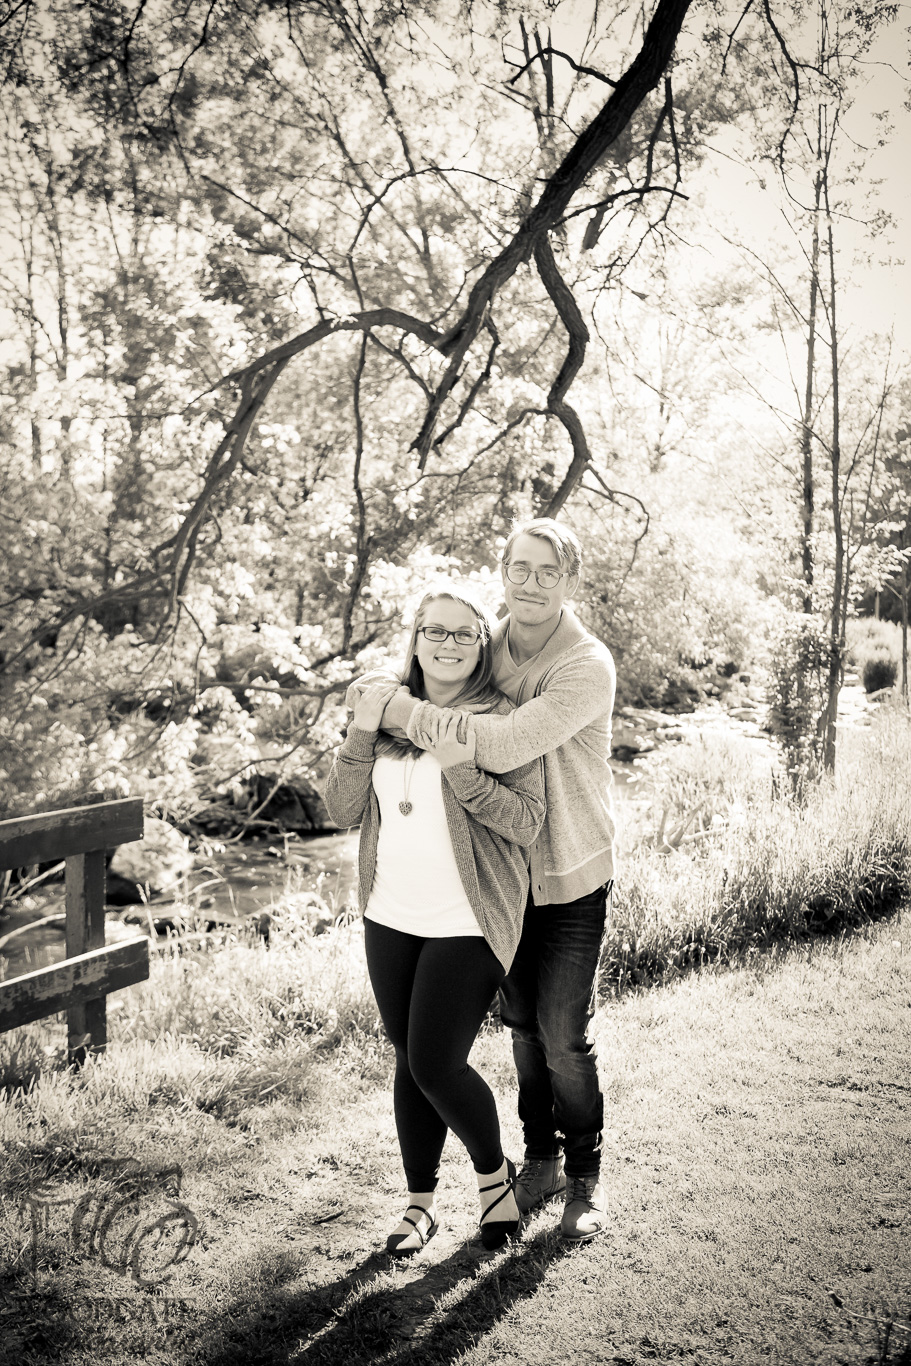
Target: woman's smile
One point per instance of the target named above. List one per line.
(447, 663)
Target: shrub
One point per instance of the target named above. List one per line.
(799, 662)
(866, 637)
(880, 671)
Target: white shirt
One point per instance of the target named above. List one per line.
(416, 887)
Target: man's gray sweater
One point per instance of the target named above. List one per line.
(564, 698)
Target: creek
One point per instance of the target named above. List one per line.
(229, 883)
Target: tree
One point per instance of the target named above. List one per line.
(818, 164)
(405, 216)
(288, 160)
(459, 327)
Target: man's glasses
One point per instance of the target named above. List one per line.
(436, 634)
(544, 578)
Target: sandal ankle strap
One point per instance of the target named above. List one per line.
(413, 1222)
(507, 1181)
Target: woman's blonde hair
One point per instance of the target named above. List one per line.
(478, 690)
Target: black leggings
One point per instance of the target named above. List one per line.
(433, 995)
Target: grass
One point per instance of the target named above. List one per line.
(756, 1148)
(756, 1163)
(751, 867)
(227, 1019)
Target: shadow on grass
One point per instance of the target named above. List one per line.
(353, 1322)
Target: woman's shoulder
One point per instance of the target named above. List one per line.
(501, 705)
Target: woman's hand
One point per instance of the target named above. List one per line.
(447, 748)
(371, 703)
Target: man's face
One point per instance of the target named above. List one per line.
(529, 604)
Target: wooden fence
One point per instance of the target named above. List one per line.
(90, 970)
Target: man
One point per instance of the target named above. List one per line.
(562, 680)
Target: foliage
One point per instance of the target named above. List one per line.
(866, 636)
(676, 621)
(182, 601)
(799, 663)
(193, 192)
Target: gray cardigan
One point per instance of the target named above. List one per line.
(489, 819)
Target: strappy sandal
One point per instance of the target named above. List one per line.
(395, 1240)
(494, 1232)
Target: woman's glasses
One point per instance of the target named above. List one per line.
(436, 634)
(544, 578)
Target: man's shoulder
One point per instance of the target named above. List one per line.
(585, 653)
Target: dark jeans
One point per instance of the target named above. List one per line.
(433, 995)
(548, 1001)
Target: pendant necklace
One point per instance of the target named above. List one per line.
(405, 806)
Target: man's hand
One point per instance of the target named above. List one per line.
(371, 703)
(434, 725)
(447, 748)
(437, 723)
(398, 712)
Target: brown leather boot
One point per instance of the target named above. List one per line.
(585, 1210)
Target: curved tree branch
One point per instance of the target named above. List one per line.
(571, 316)
(637, 81)
(549, 51)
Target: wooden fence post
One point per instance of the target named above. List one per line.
(86, 1024)
(80, 984)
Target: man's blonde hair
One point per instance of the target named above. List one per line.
(563, 542)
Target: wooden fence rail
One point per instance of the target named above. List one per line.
(90, 970)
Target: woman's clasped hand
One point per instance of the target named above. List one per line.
(371, 703)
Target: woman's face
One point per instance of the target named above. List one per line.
(449, 660)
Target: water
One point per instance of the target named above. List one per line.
(230, 884)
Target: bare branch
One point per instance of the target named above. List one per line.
(398, 355)
(614, 496)
(483, 377)
(795, 72)
(589, 148)
(362, 538)
(549, 51)
(733, 35)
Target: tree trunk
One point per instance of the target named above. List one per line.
(836, 634)
(903, 581)
(806, 426)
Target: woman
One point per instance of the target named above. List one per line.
(443, 882)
